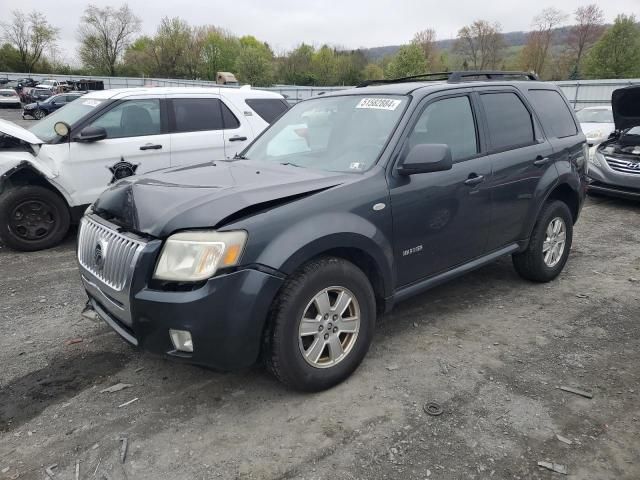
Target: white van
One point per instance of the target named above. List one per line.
(47, 180)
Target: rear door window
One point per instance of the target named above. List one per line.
(196, 114)
(556, 117)
(509, 122)
(268, 108)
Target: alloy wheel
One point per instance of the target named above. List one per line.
(554, 243)
(329, 327)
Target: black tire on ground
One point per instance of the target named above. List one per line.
(54, 213)
(530, 264)
(284, 357)
(39, 114)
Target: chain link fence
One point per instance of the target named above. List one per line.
(581, 93)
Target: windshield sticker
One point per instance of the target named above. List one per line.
(356, 166)
(91, 103)
(379, 103)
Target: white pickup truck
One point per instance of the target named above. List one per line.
(49, 177)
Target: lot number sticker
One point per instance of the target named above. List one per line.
(379, 103)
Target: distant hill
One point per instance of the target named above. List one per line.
(511, 39)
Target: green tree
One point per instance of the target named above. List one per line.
(617, 53)
(139, 59)
(373, 71)
(408, 61)
(9, 58)
(104, 35)
(254, 66)
(171, 44)
(30, 34)
(220, 50)
(295, 68)
(324, 66)
(350, 67)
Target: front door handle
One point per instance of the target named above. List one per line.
(474, 180)
(237, 138)
(540, 160)
(150, 146)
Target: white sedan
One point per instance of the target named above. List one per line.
(9, 97)
(596, 123)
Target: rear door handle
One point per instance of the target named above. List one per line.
(237, 138)
(150, 146)
(540, 160)
(474, 180)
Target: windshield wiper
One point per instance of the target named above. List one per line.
(292, 164)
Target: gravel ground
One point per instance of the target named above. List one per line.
(490, 348)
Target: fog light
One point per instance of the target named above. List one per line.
(181, 340)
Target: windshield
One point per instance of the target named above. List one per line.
(341, 134)
(70, 114)
(595, 115)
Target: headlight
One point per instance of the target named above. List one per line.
(197, 255)
(596, 159)
(597, 136)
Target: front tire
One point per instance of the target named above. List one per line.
(39, 114)
(549, 245)
(322, 324)
(32, 218)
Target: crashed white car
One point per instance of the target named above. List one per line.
(50, 173)
(597, 124)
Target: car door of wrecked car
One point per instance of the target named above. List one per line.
(441, 219)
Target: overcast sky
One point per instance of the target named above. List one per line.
(347, 23)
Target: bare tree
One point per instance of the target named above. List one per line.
(31, 34)
(480, 44)
(104, 35)
(588, 28)
(426, 39)
(536, 51)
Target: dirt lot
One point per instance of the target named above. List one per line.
(490, 348)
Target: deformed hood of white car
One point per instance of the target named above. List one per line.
(13, 130)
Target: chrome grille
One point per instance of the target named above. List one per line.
(107, 254)
(624, 166)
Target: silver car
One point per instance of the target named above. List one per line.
(615, 167)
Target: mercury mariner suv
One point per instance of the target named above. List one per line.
(347, 204)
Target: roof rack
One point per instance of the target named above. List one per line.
(454, 77)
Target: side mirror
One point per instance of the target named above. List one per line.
(61, 128)
(91, 134)
(425, 158)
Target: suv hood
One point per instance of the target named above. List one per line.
(13, 130)
(207, 195)
(625, 103)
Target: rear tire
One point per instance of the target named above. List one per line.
(310, 349)
(549, 245)
(32, 218)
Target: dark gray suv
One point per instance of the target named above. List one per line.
(347, 204)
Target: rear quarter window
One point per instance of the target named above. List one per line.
(508, 120)
(269, 109)
(556, 117)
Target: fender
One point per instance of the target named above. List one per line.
(320, 233)
(24, 163)
(562, 174)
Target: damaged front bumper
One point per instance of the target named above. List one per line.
(225, 315)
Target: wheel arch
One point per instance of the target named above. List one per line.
(565, 193)
(26, 174)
